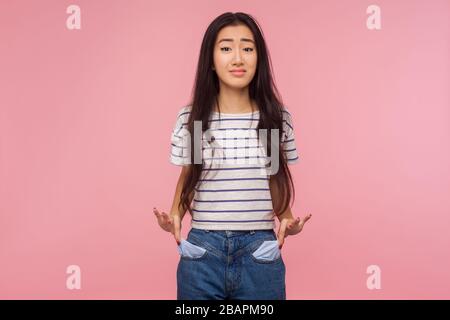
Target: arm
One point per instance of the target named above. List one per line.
(172, 222)
(276, 201)
(288, 225)
(176, 199)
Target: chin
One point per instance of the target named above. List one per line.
(239, 85)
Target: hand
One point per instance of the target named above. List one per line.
(290, 226)
(170, 223)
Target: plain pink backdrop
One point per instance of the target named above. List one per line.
(85, 123)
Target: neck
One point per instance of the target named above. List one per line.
(235, 101)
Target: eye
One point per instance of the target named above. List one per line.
(225, 48)
(251, 49)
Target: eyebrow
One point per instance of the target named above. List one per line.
(242, 39)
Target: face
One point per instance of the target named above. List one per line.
(235, 49)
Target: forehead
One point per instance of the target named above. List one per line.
(235, 33)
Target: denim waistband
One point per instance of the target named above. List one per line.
(232, 233)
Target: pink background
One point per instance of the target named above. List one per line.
(85, 123)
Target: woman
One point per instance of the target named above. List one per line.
(232, 251)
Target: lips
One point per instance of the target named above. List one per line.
(238, 70)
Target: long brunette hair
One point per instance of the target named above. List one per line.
(262, 90)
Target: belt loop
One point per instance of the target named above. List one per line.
(252, 231)
(206, 230)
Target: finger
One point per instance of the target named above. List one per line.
(282, 232)
(306, 218)
(165, 216)
(158, 214)
(169, 219)
(162, 219)
(294, 223)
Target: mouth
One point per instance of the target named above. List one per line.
(238, 72)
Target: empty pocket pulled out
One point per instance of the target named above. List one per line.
(189, 250)
(268, 251)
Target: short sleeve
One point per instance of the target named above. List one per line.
(288, 139)
(178, 141)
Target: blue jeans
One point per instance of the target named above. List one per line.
(230, 265)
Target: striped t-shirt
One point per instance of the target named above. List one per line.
(233, 191)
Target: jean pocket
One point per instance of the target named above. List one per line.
(267, 252)
(189, 250)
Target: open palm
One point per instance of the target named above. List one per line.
(169, 223)
(290, 226)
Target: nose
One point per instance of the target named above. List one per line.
(237, 56)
